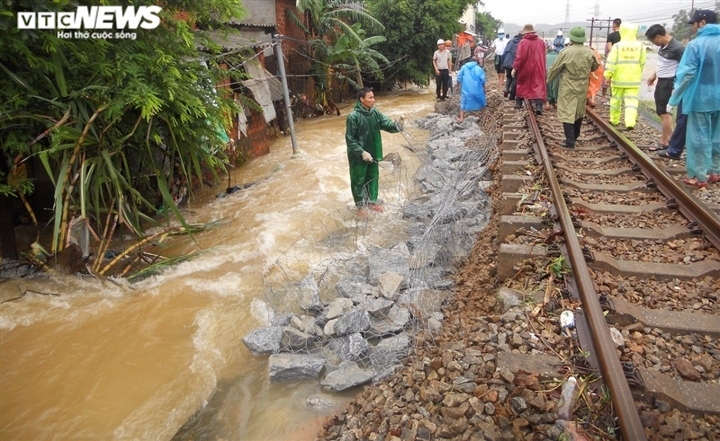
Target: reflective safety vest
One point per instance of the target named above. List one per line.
(625, 62)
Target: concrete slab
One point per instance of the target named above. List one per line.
(627, 209)
(656, 271)
(513, 183)
(617, 172)
(514, 135)
(512, 254)
(674, 232)
(516, 155)
(508, 203)
(546, 366)
(510, 224)
(513, 167)
(606, 187)
(512, 144)
(688, 396)
(674, 322)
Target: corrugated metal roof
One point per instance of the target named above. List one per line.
(258, 74)
(259, 13)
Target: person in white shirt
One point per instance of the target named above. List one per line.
(442, 64)
(498, 46)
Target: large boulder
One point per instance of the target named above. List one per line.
(346, 376)
(352, 347)
(357, 320)
(263, 341)
(310, 294)
(338, 307)
(393, 260)
(283, 367)
(294, 339)
(390, 350)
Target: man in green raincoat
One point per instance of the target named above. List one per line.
(364, 148)
(573, 66)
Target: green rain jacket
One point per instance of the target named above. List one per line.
(625, 62)
(362, 133)
(573, 65)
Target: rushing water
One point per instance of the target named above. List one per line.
(103, 362)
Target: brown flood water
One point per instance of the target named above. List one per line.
(103, 363)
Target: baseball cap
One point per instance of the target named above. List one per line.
(703, 14)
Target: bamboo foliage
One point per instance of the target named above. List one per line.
(113, 122)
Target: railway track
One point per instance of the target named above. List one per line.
(608, 234)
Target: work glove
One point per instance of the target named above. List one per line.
(367, 157)
(669, 108)
(400, 124)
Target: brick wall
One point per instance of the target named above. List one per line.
(257, 141)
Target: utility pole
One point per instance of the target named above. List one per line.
(277, 40)
(567, 14)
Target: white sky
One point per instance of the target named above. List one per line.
(553, 11)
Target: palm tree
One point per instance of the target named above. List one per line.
(327, 23)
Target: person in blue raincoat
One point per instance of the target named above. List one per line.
(471, 82)
(697, 88)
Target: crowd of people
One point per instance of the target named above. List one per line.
(567, 75)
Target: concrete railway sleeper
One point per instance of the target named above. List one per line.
(605, 233)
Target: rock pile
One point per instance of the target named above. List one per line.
(368, 326)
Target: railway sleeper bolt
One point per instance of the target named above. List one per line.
(632, 376)
(650, 183)
(568, 200)
(636, 168)
(606, 303)
(588, 255)
(672, 204)
(623, 155)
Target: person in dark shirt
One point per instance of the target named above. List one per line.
(612, 38)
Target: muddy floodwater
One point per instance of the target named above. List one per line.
(102, 362)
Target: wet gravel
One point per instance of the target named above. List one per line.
(451, 387)
(635, 198)
(699, 295)
(680, 251)
(646, 221)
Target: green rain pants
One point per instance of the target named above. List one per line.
(364, 179)
(630, 95)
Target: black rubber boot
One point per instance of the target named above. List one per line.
(518, 103)
(538, 107)
(576, 127)
(569, 130)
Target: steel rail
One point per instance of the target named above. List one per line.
(690, 206)
(612, 372)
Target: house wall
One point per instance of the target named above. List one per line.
(259, 133)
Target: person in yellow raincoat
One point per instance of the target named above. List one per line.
(596, 79)
(623, 68)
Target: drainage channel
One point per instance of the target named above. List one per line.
(628, 231)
